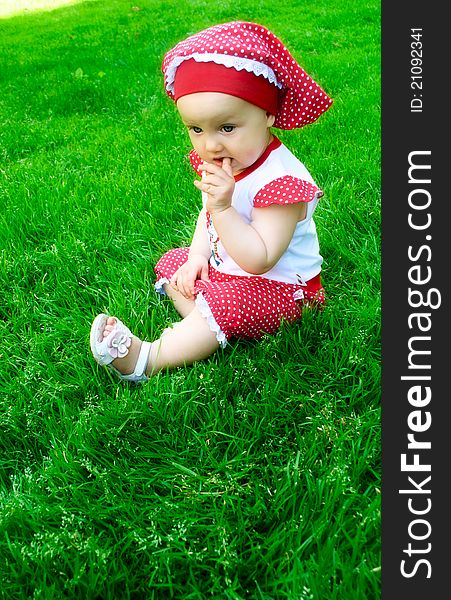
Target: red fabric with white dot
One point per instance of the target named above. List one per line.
(303, 100)
(247, 307)
(196, 162)
(286, 190)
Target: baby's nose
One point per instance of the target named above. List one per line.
(213, 144)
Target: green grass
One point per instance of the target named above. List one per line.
(254, 474)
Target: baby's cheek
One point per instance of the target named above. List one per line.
(249, 157)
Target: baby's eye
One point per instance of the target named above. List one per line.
(228, 128)
(196, 129)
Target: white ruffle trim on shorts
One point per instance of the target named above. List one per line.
(205, 311)
(159, 286)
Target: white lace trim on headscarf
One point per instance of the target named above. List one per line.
(235, 62)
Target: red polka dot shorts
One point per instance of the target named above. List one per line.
(240, 306)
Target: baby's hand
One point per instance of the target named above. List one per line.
(184, 279)
(218, 183)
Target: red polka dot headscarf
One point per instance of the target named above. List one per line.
(245, 60)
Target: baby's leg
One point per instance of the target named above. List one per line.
(182, 305)
(189, 340)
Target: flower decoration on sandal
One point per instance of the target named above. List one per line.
(118, 343)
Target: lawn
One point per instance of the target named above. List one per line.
(254, 474)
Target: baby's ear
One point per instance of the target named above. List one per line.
(270, 119)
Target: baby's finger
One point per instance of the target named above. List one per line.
(204, 274)
(180, 287)
(211, 168)
(185, 286)
(201, 185)
(187, 292)
(205, 185)
(173, 280)
(227, 166)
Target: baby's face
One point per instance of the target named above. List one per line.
(222, 126)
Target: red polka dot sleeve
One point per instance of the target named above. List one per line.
(195, 161)
(286, 190)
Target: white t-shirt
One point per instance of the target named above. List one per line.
(277, 177)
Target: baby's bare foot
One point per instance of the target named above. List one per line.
(109, 326)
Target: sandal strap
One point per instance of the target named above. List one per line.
(143, 358)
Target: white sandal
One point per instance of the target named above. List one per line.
(116, 345)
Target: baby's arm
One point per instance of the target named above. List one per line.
(196, 267)
(199, 243)
(256, 247)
